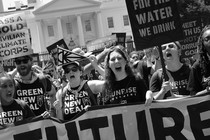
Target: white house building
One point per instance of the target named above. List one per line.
(75, 21)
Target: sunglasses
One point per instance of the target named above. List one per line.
(172, 45)
(24, 61)
(134, 57)
(73, 69)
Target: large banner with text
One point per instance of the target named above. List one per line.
(154, 22)
(179, 119)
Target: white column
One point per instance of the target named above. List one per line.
(100, 24)
(80, 30)
(60, 29)
(41, 42)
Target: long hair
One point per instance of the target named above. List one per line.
(109, 74)
(204, 60)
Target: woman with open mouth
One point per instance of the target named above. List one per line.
(176, 71)
(12, 111)
(77, 95)
(121, 84)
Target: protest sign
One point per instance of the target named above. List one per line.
(14, 36)
(178, 119)
(121, 37)
(192, 28)
(100, 43)
(8, 65)
(154, 22)
(53, 51)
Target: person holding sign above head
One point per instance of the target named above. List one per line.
(12, 110)
(78, 94)
(177, 75)
(32, 87)
(199, 80)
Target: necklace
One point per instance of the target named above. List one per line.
(76, 91)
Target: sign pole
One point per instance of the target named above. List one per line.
(165, 77)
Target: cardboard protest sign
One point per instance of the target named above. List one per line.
(177, 119)
(14, 36)
(154, 22)
(192, 28)
(100, 43)
(52, 49)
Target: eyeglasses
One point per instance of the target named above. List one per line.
(73, 69)
(172, 45)
(18, 62)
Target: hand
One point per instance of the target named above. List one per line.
(45, 115)
(86, 107)
(166, 86)
(149, 98)
(108, 48)
(93, 60)
(56, 104)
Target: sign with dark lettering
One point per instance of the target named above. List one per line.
(154, 22)
(179, 119)
(53, 51)
(192, 28)
(14, 36)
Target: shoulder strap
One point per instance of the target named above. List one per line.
(90, 93)
(44, 81)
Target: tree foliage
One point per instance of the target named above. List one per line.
(192, 8)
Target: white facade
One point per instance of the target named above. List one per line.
(76, 21)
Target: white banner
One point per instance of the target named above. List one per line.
(182, 119)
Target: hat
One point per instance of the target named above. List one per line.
(25, 56)
(72, 62)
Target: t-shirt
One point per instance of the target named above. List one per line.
(128, 90)
(197, 81)
(73, 103)
(17, 111)
(179, 83)
(33, 94)
(143, 70)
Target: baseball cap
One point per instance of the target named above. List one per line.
(72, 63)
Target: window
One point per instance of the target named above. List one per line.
(50, 30)
(126, 20)
(110, 22)
(87, 26)
(69, 28)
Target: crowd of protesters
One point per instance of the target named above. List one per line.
(119, 78)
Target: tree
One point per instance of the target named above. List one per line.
(192, 8)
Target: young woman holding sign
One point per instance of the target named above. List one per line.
(177, 72)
